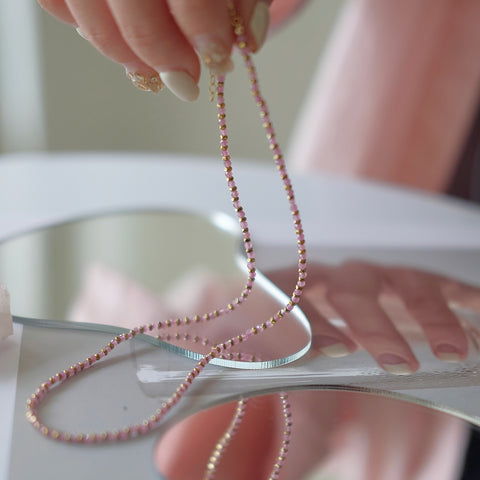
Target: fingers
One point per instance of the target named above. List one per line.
(423, 298)
(164, 37)
(326, 339)
(97, 25)
(58, 9)
(353, 290)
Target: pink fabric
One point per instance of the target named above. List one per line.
(396, 92)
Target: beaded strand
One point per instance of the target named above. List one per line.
(223, 443)
(227, 437)
(148, 424)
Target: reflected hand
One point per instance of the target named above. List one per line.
(363, 295)
(335, 434)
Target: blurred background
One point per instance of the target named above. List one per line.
(57, 93)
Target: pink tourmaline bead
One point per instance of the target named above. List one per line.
(143, 428)
(151, 424)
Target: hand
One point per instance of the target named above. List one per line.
(157, 41)
(336, 434)
(368, 297)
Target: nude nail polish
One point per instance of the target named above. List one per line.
(81, 33)
(214, 55)
(330, 346)
(337, 350)
(447, 353)
(259, 24)
(394, 364)
(181, 84)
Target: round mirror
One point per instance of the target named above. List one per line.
(319, 435)
(137, 268)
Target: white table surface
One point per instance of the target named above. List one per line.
(40, 189)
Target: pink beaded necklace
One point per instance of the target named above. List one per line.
(220, 349)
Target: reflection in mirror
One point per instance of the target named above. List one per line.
(133, 269)
(317, 435)
(45, 269)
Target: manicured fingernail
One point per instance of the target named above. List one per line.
(81, 33)
(181, 84)
(330, 346)
(146, 83)
(394, 364)
(259, 24)
(448, 353)
(215, 56)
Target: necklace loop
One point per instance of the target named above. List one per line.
(148, 424)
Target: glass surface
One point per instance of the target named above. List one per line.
(136, 268)
(332, 434)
